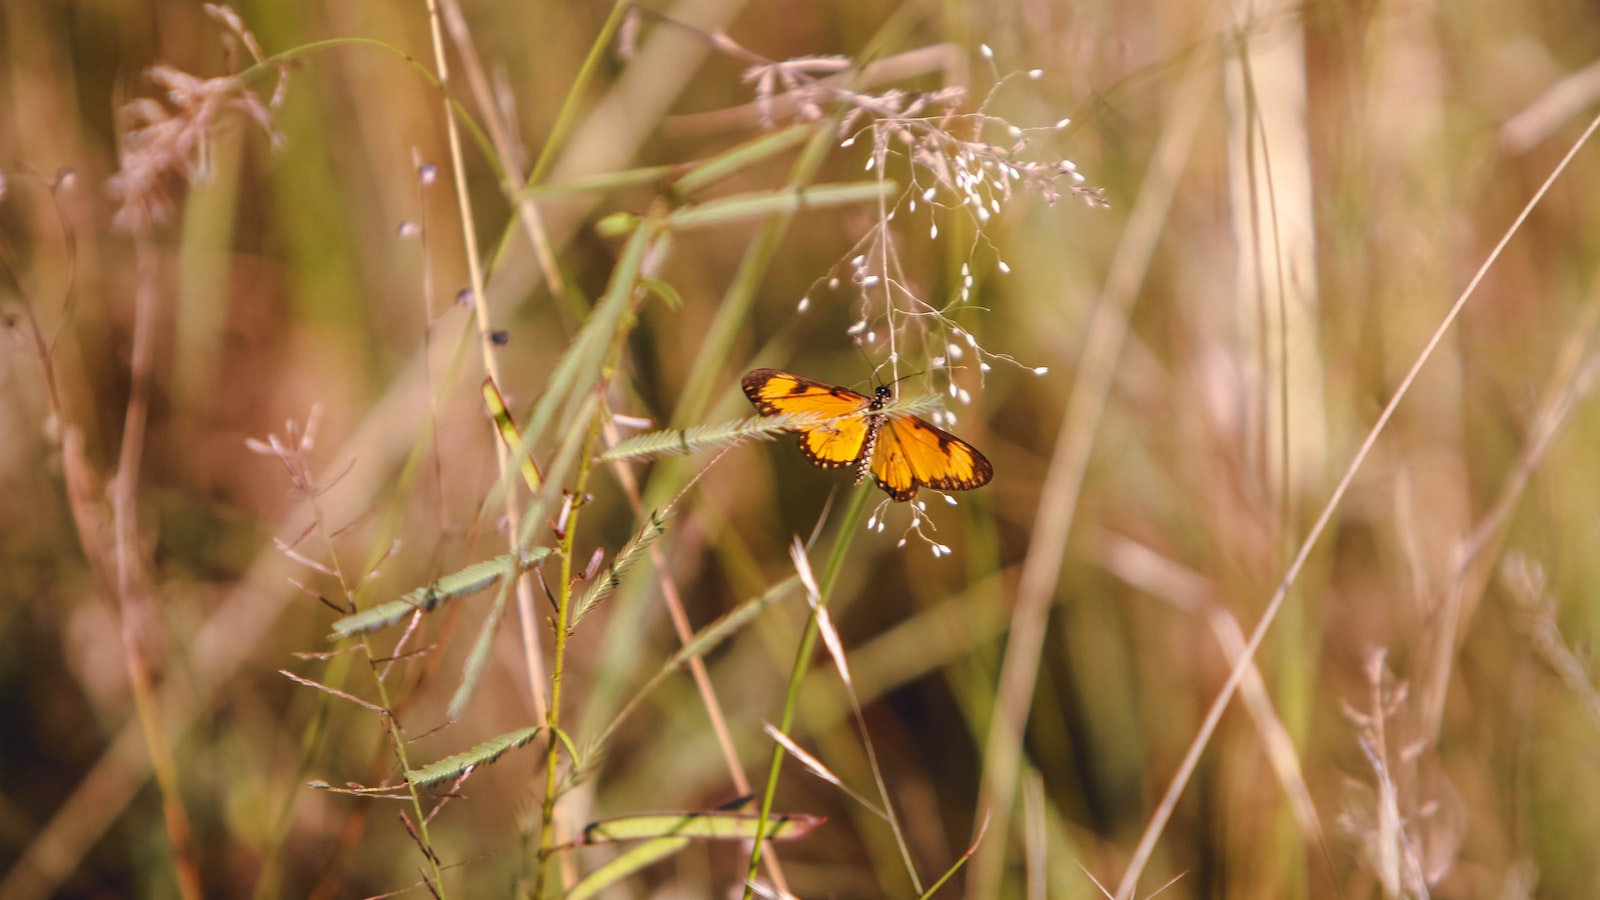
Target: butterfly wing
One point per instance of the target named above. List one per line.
(911, 453)
(832, 445)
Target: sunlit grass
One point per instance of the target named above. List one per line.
(1169, 270)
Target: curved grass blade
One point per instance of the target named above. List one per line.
(759, 204)
(625, 864)
(740, 616)
(756, 152)
(452, 767)
(510, 435)
(956, 866)
(603, 183)
(713, 825)
(664, 289)
(701, 644)
(456, 585)
(478, 657)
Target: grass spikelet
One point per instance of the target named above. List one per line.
(625, 559)
(716, 436)
(465, 583)
(485, 753)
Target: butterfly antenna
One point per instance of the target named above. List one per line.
(868, 360)
(879, 367)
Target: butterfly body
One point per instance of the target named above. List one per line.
(901, 452)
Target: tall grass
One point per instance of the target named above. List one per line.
(1276, 323)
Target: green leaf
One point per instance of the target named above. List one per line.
(478, 657)
(487, 752)
(757, 152)
(713, 825)
(665, 291)
(759, 204)
(625, 864)
(456, 585)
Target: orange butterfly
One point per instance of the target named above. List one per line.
(902, 452)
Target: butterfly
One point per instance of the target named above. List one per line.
(902, 452)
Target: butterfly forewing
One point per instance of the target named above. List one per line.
(831, 444)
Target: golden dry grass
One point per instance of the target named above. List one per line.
(1263, 394)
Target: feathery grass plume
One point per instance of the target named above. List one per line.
(956, 159)
(959, 160)
(626, 558)
(1391, 820)
(166, 143)
(1536, 610)
(715, 436)
(161, 146)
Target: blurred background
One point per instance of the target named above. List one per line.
(1176, 384)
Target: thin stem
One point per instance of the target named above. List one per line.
(134, 601)
(797, 673)
(531, 655)
(1191, 759)
(569, 530)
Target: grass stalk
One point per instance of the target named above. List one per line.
(849, 525)
(1180, 780)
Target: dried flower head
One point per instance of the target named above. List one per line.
(166, 142)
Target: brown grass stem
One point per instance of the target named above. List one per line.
(1063, 484)
(849, 524)
(139, 616)
(673, 601)
(1180, 779)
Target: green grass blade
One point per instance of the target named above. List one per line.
(579, 368)
(478, 657)
(746, 155)
(722, 629)
(452, 767)
(626, 863)
(625, 559)
(454, 586)
(759, 205)
(715, 825)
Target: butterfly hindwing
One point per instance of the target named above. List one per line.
(831, 444)
(912, 453)
(902, 452)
